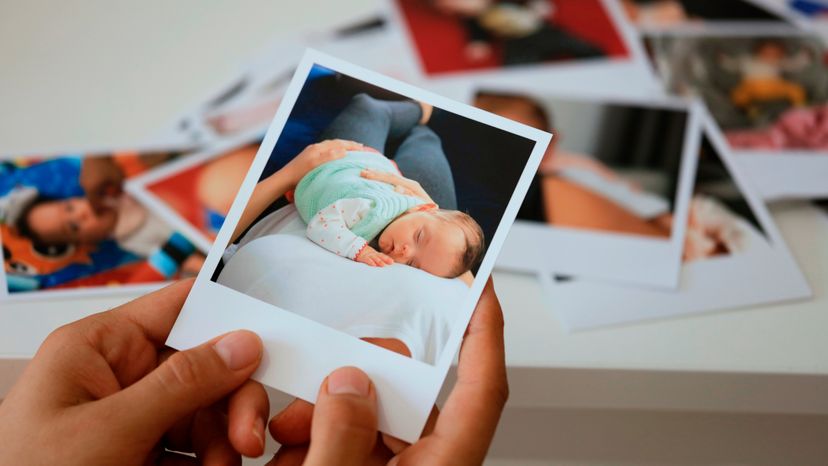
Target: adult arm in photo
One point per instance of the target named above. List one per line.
(277, 184)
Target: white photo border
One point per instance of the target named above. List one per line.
(293, 361)
(707, 285)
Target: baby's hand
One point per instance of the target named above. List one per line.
(374, 258)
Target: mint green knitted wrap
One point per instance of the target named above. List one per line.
(339, 179)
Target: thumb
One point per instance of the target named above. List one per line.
(186, 381)
(344, 426)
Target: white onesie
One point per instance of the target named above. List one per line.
(331, 227)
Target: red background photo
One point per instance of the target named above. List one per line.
(440, 40)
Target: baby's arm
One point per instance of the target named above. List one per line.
(330, 228)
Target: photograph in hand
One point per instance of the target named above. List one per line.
(369, 220)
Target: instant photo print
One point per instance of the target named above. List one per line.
(612, 191)
(59, 240)
(768, 92)
(355, 265)
(734, 257)
(578, 45)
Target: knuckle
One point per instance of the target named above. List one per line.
(181, 370)
(352, 419)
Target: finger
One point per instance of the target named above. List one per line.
(247, 410)
(394, 444)
(156, 312)
(384, 177)
(473, 408)
(210, 442)
(348, 145)
(185, 382)
(344, 428)
(289, 456)
(292, 426)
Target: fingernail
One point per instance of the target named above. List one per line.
(239, 349)
(258, 431)
(348, 381)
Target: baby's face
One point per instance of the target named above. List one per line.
(71, 221)
(424, 241)
(771, 53)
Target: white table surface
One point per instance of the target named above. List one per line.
(103, 73)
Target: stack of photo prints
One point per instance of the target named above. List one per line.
(621, 151)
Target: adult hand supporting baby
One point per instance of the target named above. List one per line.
(104, 390)
(286, 179)
(343, 430)
(401, 184)
(315, 155)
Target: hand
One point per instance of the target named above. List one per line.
(401, 185)
(104, 390)
(341, 429)
(315, 155)
(101, 179)
(372, 257)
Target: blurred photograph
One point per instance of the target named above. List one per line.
(195, 193)
(249, 101)
(767, 93)
(455, 36)
(733, 257)
(370, 220)
(720, 222)
(611, 177)
(67, 225)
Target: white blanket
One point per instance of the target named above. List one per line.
(277, 264)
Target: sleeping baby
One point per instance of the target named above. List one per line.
(345, 212)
